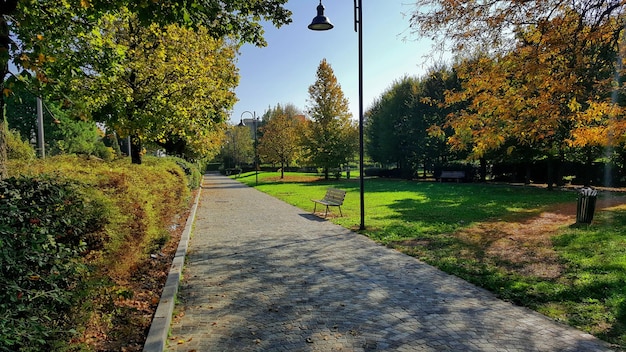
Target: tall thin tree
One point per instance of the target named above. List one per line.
(332, 139)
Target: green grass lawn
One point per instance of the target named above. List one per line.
(589, 291)
(427, 207)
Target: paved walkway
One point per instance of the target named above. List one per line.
(262, 275)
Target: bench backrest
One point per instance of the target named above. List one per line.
(453, 174)
(335, 195)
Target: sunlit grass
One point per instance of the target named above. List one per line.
(596, 281)
(430, 207)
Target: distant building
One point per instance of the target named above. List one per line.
(250, 124)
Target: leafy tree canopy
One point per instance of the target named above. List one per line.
(488, 26)
(50, 38)
(157, 95)
(398, 125)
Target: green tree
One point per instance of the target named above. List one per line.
(280, 141)
(435, 85)
(49, 37)
(178, 102)
(21, 108)
(331, 140)
(390, 141)
(399, 122)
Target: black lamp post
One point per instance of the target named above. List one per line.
(256, 155)
(322, 23)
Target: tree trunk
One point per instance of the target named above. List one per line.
(135, 149)
(551, 173)
(483, 170)
(3, 146)
(588, 167)
(410, 170)
(282, 170)
(559, 169)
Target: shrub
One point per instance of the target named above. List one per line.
(103, 152)
(19, 149)
(192, 172)
(379, 172)
(46, 226)
(373, 171)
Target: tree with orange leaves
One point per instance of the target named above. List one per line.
(550, 87)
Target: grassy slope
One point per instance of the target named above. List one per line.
(144, 201)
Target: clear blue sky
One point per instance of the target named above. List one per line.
(282, 72)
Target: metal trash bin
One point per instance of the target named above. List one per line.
(586, 205)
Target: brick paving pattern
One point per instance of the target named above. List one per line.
(262, 275)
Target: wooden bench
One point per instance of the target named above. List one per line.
(452, 175)
(333, 198)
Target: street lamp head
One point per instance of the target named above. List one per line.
(241, 124)
(320, 22)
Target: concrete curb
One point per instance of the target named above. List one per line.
(159, 329)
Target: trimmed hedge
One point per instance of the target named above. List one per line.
(46, 227)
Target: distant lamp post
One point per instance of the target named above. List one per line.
(240, 124)
(255, 121)
(322, 23)
(40, 137)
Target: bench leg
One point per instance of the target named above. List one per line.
(326, 214)
(340, 213)
(314, 207)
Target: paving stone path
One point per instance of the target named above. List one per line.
(262, 275)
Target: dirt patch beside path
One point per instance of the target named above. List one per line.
(132, 316)
(525, 246)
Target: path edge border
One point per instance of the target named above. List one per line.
(159, 328)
